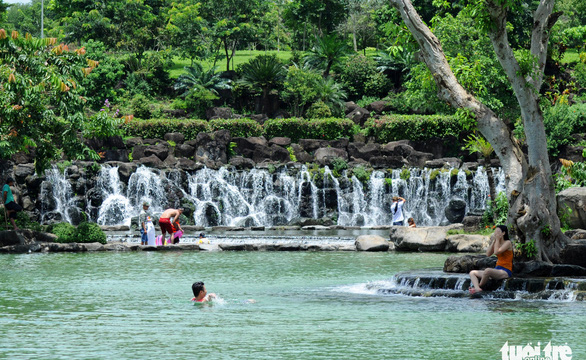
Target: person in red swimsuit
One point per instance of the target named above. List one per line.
(503, 249)
(168, 226)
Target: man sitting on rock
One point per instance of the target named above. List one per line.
(11, 208)
(168, 225)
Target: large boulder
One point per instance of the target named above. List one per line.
(211, 148)
(311, 145)
(364, 151)
(219, 113)
(241, 163)
(432, 238)
(177, 138)
(386, 162)
(467, 243)
(281, 141)
(573, 198)
(371, 243)
(456, 210)
(378, 107)
(574, 253)
(324, 156)
(359, 115)
(160, 150)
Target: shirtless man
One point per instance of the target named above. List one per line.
(200, 293)
(168, 226)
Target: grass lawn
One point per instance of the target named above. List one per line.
(571, 56)
(240, 57)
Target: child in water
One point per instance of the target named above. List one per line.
(200, 294)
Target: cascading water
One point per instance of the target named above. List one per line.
(260, 197)
(116, 206)
(57, 197)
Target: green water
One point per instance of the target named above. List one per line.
(309, 305)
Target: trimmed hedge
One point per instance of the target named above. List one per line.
(296, 128)
(157, 128)
(243, 127)
(414, 127)
(388, 128)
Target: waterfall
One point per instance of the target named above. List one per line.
(57, 198)
(115, 208)
(260, 197)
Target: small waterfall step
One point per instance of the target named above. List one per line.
(435, 283)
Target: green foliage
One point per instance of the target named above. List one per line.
(318, 110)
(433, 175)
(327, 50)
(24, 221)
(571, 174)
(564, 214)
(331, 94)
(291, 154)
(414, 127)
(574, 37)
(580, 74)
(405, 174)
(561, 121)
(264, 73)
(41, 103)
(104, 124)
(199, 101)
(295, 128)
(65, 232)
(62, 165)
(197, 79)
(87, 232)
(238, 127)
(141, 107)
(339, 165)
(362, 174)
(478, 144)
(528, 250)
(102, 83)
(487, 231)
(360, 77)
(366, 100)
(157, 128)
(496, 211)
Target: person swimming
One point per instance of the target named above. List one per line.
(200, 293)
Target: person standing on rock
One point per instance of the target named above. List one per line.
(168, 226)
(502, 247)
(143, 219)
(397, 210)
(11, 208)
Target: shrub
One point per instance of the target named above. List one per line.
(140, 106)
(496, 211)
(199, 101)
(561, 121)
(295, 128)
(87, 232)
(64, 231)
(355, 75)
(414, 127)
(319, 110)
(361, 174)
(157, 128)
(24, 221)
(238, 127)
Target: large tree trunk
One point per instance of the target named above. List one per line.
(529, 182)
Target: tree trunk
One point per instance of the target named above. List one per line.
(529, 183)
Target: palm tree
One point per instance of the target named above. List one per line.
(326, 51)
(331, 93)
(263, 72)
(196, 78)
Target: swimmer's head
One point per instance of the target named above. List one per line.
(198, 287)
(202, 235)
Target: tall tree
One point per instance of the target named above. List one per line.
(231, 22)
(529, 181)
(41, 109)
